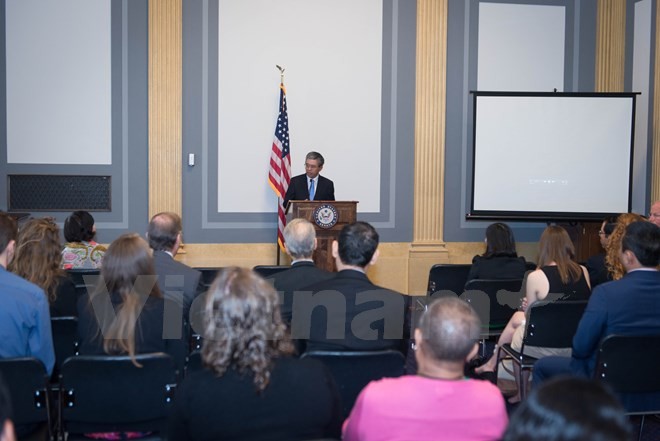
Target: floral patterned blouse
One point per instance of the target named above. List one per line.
(82, 255)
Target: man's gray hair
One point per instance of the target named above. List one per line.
(299, 237)
(316, 156)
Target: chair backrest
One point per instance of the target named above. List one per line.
(495, 301)
(553, 324)
(208, 275)
(110, 393)
(267, 271)
(630, 363)
(78, 276)
(65, 340)
(445, 277)
(27, 381)
(352, 371)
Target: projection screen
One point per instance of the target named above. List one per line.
(551, 156)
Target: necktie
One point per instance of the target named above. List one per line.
(311, 189)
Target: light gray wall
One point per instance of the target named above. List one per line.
(129, 127)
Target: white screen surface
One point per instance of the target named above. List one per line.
(552, 153)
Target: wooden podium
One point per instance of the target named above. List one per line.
(328, 218)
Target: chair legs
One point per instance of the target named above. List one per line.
(641, 428)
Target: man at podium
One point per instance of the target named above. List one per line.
(310, 185)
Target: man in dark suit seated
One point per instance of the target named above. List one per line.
(176, 281)
(628, 306)
(300, 243)
(310, 185)
(348, 312)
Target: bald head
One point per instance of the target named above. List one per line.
(654, 215)
(164, 230)
(450, 328)
(299, 238)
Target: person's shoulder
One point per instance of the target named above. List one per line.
(323, 178)
(9, 279)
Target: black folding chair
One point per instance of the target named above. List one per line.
(208, 276)
(65, 340)
(80, 276)
(352, 371)
(445, 278)
(495, 301)
(630, 364)
(111, 394)
(28, 385)
(267, 271)
(549, 325)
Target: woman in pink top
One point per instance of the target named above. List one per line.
(438, 402)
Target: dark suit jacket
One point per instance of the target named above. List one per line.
(628, 306)
(358, 315)
(597, 268)
(177, 281)
(298, 190)
(300, 275)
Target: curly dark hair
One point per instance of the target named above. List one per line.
(243, 328)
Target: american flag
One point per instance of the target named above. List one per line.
(279, 174)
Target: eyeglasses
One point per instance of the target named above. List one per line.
(654, 215)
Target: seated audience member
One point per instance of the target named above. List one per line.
(81, 251)
(628, 306)
(355, 314)
(598, 272)
(500, 261)
(38, 259)
(251, 387)
(25, 329)
(558, 277)
(300, 243)
(125, 312)
(654, 213)
(612, 256)
(6, 425)
(177, 281)
(569, 409)
(438, 402)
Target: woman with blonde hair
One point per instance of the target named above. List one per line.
(124, 314)
(557, 277)
(251, 387)
(37, 259)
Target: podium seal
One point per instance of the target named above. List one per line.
(325, 216)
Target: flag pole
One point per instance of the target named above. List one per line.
(277, 245)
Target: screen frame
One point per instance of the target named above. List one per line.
(547, 216)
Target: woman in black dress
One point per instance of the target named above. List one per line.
(500, 261)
